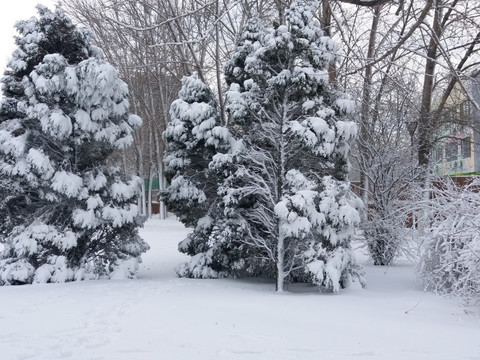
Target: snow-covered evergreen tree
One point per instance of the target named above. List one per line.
(66, 215)
(213, 244)
(286, 199)
(193, 137)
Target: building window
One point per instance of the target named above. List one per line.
(466, 147)
(451, 151)
(465, 111)
(438, 154)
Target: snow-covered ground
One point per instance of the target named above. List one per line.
(160, 316)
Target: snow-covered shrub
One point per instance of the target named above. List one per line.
(383, 236)
(65, 214)
(386, 230)
(450, 258)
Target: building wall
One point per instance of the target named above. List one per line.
(461, 164)
(475, 91)
(445, 164)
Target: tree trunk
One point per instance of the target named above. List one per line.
(281, 274)
(281, 263)
(151, 173)
(425, 121)
(141, 174)
(326, 22)
(281, 6)
(161, 186)
(365, 119)
(160, 174)
(218, 66)
(160, 150)
(150, 188)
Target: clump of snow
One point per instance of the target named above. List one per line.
(96, 182)
(134, 121)
(124, 191)
(12, 145)
(86, 219)
(41, 162)
(67, 183)
(346, 106)
(42, 233)
(120, 216)
(20, 271)
(125, 269)
(54, 271)
(84, 122)
(198, 267)
(181, 188)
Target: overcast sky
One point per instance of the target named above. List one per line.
(12, 11)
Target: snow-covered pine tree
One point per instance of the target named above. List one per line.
(249, 40)
(194, 135)
(66, 216)
(287, 198)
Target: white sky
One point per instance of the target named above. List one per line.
(11, 12)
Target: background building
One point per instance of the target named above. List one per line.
(457, 150)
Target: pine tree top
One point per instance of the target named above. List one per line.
(52, 32)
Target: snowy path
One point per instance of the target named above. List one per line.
(160, 316)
